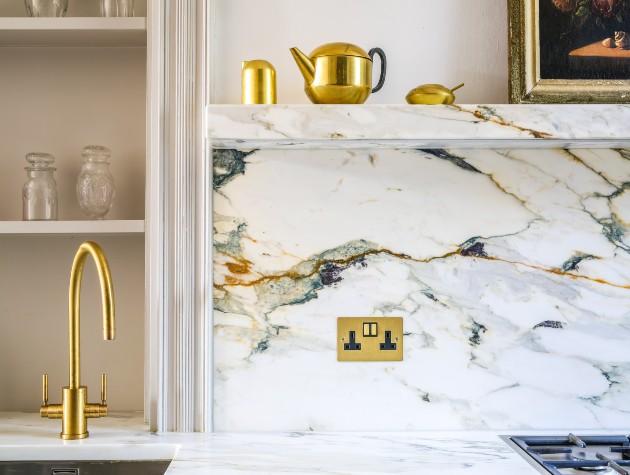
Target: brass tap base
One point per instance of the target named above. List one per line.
(74, 411)
(74, 436)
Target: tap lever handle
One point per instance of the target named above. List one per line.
(103, 389)
(45, 389)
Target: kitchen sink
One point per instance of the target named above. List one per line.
(89, 467)
(88, 459)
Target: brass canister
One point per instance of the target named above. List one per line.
(259, 82)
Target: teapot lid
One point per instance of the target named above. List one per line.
(339, 49)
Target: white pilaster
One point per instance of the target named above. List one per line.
(182, 148)
(156, 269)
(177, 358)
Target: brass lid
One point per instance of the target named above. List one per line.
(339, 49)
(257, 64)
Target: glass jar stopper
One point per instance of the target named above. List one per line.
(39, 161)
(96, 153)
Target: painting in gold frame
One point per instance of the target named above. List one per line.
(569, 51)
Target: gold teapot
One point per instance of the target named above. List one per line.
(339, 73)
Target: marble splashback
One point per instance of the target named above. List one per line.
(510, 268)
(498, 233)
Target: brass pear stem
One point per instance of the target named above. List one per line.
(457, 87)
(107, 299)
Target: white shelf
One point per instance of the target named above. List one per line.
(75, 31)
(72, 227)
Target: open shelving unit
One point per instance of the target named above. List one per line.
(66, 83)
(80, 34)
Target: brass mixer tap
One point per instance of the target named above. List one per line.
(74, 409)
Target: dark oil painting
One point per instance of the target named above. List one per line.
(584, 39)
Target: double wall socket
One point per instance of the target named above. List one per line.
(369, 339)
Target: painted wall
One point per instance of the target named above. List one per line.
(34, 279)
(92, 95)
(426, 41)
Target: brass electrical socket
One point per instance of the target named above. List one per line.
(369, 339)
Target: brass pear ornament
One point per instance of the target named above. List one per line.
(432, 94)
(339, 73)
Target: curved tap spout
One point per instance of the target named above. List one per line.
(107, 299)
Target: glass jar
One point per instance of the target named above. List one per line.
(39, 193)
(120, 8)
(95, 185)
(125, 7)
(46, 8)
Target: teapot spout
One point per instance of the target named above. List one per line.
(307, 68)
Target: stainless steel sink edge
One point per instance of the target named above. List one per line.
(90, 467)
(89, 452)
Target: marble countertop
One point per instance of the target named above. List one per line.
(124, 436)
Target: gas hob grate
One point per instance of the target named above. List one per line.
(570, 454)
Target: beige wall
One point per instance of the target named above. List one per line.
(57, 100)
(34, 277)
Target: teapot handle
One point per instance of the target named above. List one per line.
(381, 54)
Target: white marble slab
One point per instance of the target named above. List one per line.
(27, 436)
(407, 126)
(511, 269)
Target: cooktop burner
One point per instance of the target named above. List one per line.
(570, 454)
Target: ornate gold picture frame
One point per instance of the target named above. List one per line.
(569, 51)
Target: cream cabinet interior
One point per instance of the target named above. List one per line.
(66, 83)
(84, 81)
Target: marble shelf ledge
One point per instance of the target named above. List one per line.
(406, 126)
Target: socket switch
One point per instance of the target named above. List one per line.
(369, 339)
